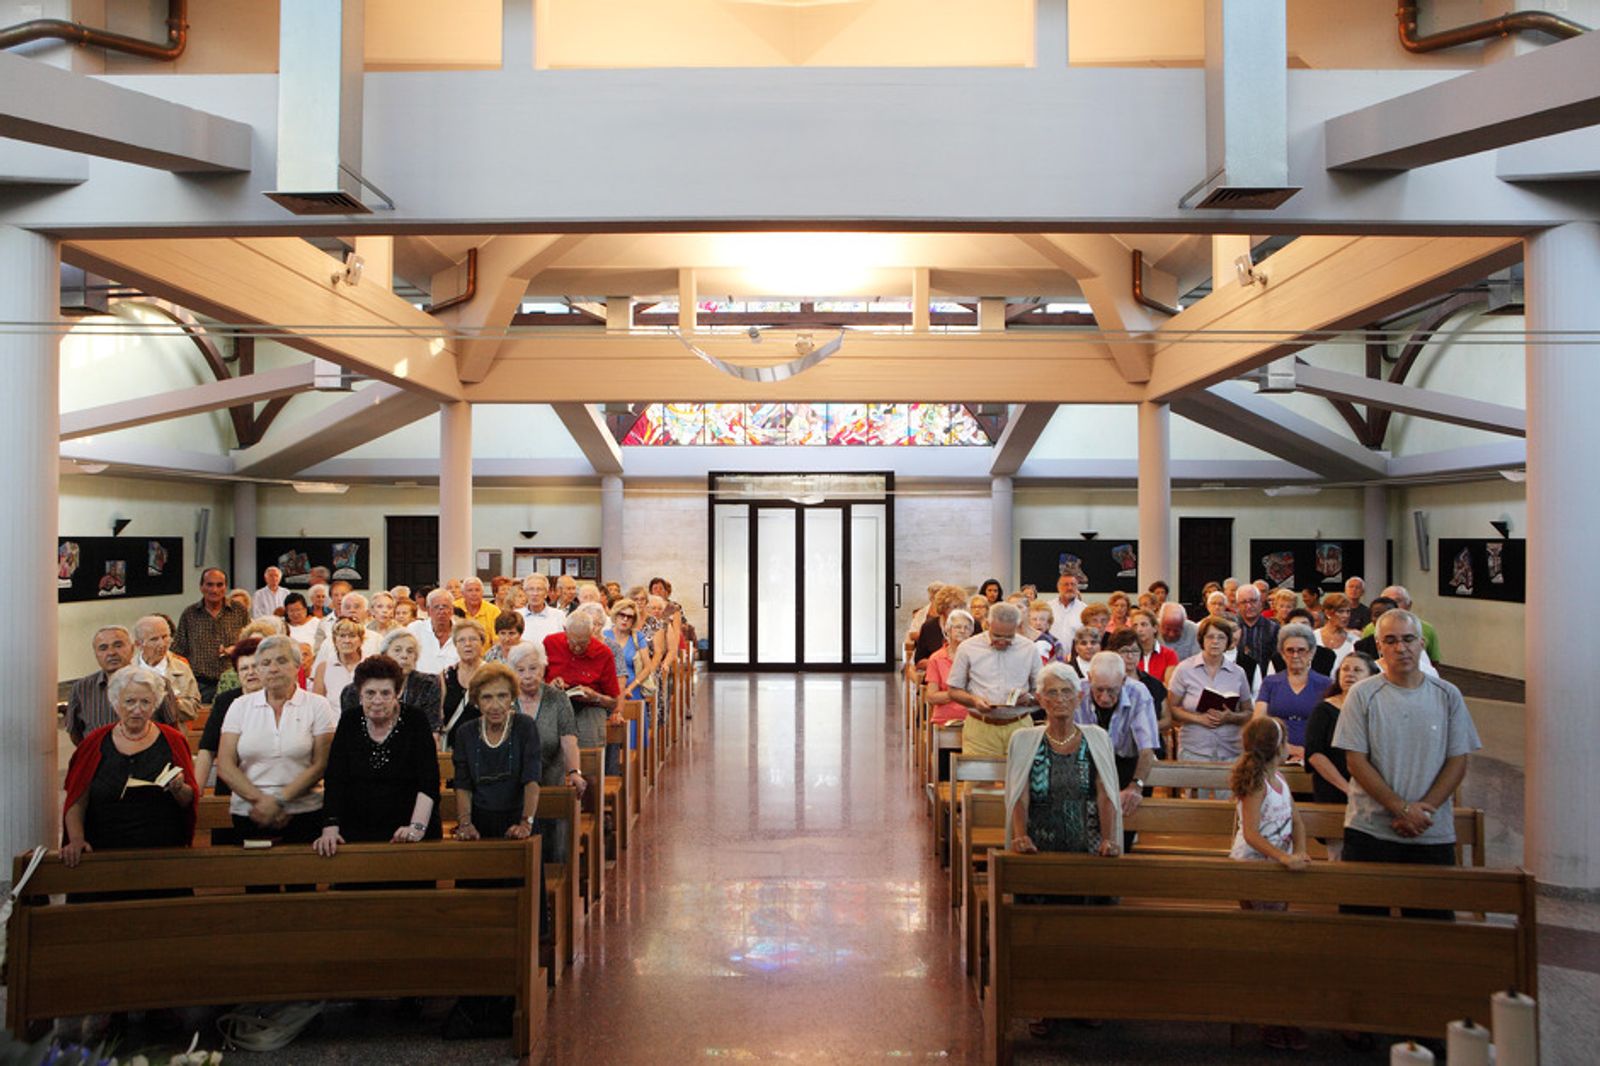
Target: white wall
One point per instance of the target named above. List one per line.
(1477, 635)
(157, 509)
(664, 534)
(565, 517)
(942, 537)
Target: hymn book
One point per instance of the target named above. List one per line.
(163, 779)
(1212, 700)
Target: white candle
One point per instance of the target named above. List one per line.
(1467, 1044)
(1410, 1053)
(1516, 1029)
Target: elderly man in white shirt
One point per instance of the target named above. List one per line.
(1066, 610)
(540, 618)
(994, 676)
(269, 598)
(354, 607)
(435, 648)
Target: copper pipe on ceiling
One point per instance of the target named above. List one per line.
(465, 294)
(1488, 29)
(79, 34)
(1138, 288)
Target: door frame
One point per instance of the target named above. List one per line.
(708, 591)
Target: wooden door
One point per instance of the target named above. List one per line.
(1205, 553)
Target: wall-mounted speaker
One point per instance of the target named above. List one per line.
(202, 526)
(1419, 519)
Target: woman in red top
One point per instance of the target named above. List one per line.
(105, 807)
(958, 626)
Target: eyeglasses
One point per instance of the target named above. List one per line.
(629, 615)
(1297, 651)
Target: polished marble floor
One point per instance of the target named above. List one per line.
(780, 906)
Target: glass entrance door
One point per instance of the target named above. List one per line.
(800, 572)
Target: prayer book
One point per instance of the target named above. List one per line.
(163, 779)
(1212, 700)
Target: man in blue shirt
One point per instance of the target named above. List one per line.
(1128, 714)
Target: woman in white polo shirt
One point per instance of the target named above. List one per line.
(274, 750)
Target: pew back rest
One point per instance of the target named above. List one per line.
(398, 935)
(1168, 773)
(976, 768)
(1352, 971)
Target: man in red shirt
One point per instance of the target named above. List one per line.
(582, 665)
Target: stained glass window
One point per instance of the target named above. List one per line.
(804, 424)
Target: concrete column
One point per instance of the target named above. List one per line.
(29, 424)
(1375, 538)
(688, 302)
(1155, 496)
(1050, 34)
(921, 300)
(1562, 792)
(611, 559)
(456, 556)
(1002, 554)
(245, 575)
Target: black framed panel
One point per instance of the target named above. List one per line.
(1475, 569)
(98, 568)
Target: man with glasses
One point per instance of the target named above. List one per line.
(541, 618)
(1407, 736)
(207, 629)
(1258, 635)
(994, 676)
(1127, 713)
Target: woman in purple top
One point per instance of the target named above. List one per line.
(1293, 693)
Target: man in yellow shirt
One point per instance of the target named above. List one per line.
(473, 605)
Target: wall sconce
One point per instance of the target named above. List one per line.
(118, 524)
(1502, 526)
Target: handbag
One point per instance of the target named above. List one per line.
(15, 894)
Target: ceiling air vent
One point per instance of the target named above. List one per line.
(320, 203)
(1233, 198)
(320, 46)
(1247, 110)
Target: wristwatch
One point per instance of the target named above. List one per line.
(1138, 783)
(530, 819)
(571, 772)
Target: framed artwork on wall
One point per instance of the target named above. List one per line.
(1474, 569)
(101, 568)
(1101, 566)
(1298, 564)
(347, 559)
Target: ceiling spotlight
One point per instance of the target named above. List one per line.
(1245, 268)
(351, 274)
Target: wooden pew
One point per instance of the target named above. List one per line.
(560, 882)
(619, 787)
(941, 739)
(1169, 773)
(634, 760)
(966, 771)
(592, 826)
(1375, 974)
(1184, 827)
(104, 957)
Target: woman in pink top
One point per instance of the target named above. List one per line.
(958, 626)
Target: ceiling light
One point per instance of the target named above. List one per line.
(808, 264)
(1293, 490)
(320, 488)
(1519, 476)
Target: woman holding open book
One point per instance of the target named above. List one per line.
(130, 784)
(1210, 697)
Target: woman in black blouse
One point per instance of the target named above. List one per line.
(497, 761)
(382, 781)
(1330, 780)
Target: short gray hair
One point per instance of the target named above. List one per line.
(525, 649)
(579, 620)
(1005, 614)
(596, 612)
(1062, 672)
(124, 630)
(356, 596)
(1401, 597)
(144, 624)
(959, 613)
(439, 596)
(1400, 614)
(272, 644)
(1173, 607)
(130, 676)
(1297, 629)
(395, 636)
(1106, 666)
(314, 589)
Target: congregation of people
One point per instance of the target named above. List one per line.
(325, 711)
(1081, 699)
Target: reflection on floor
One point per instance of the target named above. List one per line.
(780, 905)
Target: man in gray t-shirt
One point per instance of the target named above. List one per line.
(1406, 736)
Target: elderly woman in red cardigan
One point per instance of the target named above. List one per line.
(130, 784)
